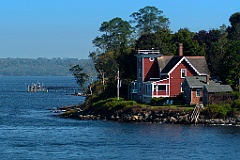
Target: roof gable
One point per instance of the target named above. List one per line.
(199, 63)
(168, 63)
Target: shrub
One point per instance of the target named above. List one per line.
(157, 101)
(236, 104)
(112, 104)
(218, 111)
(236, 95)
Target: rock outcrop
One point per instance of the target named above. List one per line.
(161, 115)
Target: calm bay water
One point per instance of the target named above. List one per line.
(29, 130)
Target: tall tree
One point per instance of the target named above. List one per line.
(80, 75)
(149, 20)
(114, 46)
(116, 35)
(214, 43)
(161, 40)
(191, 46)
(231, 64)
(234, 29)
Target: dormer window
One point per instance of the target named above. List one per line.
(183, 73)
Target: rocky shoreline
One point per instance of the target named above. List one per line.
(136, 115)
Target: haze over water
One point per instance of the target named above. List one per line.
(29, 130)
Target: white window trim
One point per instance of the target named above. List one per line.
(185, 71)
(181, 87)
(197, 92)
(151, 59)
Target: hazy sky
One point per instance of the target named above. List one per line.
(66, 28)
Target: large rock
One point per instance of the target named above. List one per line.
(172, 120)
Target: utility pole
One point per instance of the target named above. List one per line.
(118, 84)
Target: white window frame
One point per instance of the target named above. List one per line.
(151, 59)
(185, 73)
(198, 92)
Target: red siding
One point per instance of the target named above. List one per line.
(150, 69)
(164, 81)
(176, 80)
(194, 98)
(160, 93)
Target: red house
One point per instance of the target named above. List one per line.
(161, 76)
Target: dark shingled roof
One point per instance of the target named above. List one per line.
(199, 62)
(218, 88)
(200, 81)
(196, 81)
(163, 61)
(172, 62)
(166, 63)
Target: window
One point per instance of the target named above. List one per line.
(183, 73)
(148, 87)
(151, 58)
(198, 92)
(181, 87)
(160, 88)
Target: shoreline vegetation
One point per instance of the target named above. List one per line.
(130, 111)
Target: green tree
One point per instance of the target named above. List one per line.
(113, 53)
(234, 29)
(149, 20)
(231, 64)
(161, 40)
(191, 46)
(80, 76)
(214, 43)
(116, 35)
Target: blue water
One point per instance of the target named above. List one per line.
(29, 130)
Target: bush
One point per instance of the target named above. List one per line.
(112, 104)
(236, 95)
(236, 104)
(218, 111)
(157, 101)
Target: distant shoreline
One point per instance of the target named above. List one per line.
(39, 66)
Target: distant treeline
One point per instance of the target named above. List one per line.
(39, 66)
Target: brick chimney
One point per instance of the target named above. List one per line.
(180, 49)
